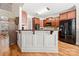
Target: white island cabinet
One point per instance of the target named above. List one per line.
(39, 41)
(27, 40)
(51, 41)
(48, 39)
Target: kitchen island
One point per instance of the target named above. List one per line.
(38, 40)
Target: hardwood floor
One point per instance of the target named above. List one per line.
(65, 49)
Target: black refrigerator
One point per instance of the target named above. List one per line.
(68, 31)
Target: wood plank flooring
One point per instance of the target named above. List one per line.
(65, 49)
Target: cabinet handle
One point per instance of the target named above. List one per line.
(33, 32)
(51, 32)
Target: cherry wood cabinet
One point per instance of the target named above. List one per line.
(47, 20)
(68, 15)
(41, 23)
(37, 21)
(63, 16)
(44, 23)
(57, 21)
(71, 14)
(34, 22)
(53, 22)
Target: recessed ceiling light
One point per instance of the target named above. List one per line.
(48, 8)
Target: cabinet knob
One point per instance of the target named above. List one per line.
(51, 32)
(33, 32)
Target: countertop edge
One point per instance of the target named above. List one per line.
(37, 30)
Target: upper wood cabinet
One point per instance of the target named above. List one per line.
(53, 22)
(47, 20)
(71, 14)
(68, 15)
(57, 21)
(36, 20)
(63, 16)
(41, 23)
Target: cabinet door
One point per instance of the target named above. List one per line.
(63, 16)
(27, 39)
(71, 14)
(48, 41)
(53, 23)
(37, 21)
(39, 39)
(55, 38)
(57, 21)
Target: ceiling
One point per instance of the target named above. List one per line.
(9, 6)
(6, 6)
(55, 8)
(33, 8)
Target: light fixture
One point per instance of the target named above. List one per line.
(42, 11)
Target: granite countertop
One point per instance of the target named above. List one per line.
(40, 30)
(37, 30)
(44, 29)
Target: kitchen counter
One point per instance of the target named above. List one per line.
(39, 30)
(38, 41)
(44, 29)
